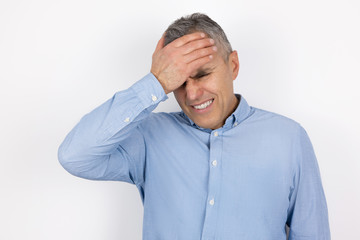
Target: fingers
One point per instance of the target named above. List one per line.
(196, 48)
(160, 43)
(200, 53)
(197, 44)
(199, 62)
(188, 38)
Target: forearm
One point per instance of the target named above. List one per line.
(95, 142)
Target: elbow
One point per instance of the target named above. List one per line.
(79, 164)
(63, 158)
(67, 160)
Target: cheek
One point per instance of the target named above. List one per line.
(180, 96)
(216, 85)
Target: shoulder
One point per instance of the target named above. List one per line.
(273, 122)
(269, 117)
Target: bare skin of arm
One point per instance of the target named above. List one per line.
(173, 64)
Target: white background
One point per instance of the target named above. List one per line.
(61, 59)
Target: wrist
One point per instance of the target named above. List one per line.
(161, 83)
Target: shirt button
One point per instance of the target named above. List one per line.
(216, 134)
(127, 119)
(154, 98)
(235, 124)
(211, 202)
(214, 163)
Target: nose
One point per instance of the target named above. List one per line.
(193, 90)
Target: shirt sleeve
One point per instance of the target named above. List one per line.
(308, 214)
(106, 144)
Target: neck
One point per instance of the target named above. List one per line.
(235, 103)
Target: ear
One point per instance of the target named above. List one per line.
(234, 64)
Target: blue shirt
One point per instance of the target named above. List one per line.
(244, 181)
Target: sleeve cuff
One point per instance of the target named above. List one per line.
(149, 90)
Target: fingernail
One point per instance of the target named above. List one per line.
(202, 34)
(212, 41)
(210, 56)
(215, 48)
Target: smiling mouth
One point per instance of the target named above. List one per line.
(203, 105)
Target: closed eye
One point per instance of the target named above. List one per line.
(200, 75)
(197, 77)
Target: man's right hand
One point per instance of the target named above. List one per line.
(174, 63)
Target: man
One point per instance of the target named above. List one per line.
(219, 169)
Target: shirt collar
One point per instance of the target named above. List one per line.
(241, 113)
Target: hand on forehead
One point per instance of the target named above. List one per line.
(175, 62)
(197, 41)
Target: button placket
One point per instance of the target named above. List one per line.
(214, 163)
(214, 183)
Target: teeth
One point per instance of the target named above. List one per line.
(204, 105)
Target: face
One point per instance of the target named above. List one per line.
(207, 97)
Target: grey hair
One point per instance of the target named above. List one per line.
(198, 22)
